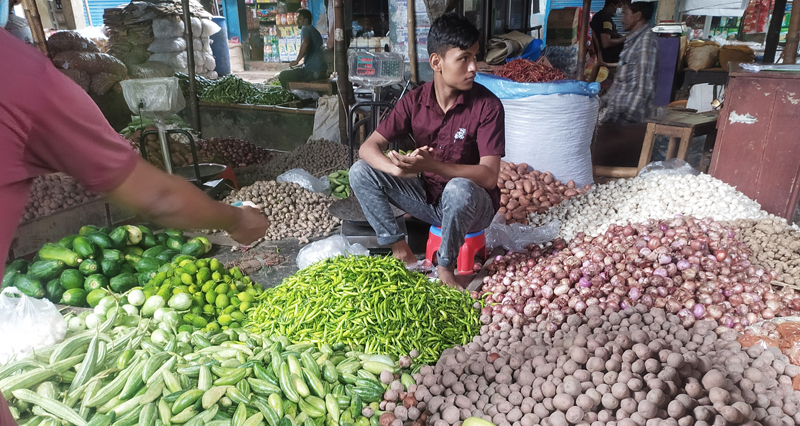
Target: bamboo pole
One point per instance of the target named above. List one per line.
(412, 41)
(194, 102)
(340, 64)
(35, 23)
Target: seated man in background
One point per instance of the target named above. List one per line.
(604, 30)
(450, 179)
(314, 66)
(629, 101)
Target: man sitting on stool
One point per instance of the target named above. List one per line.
(450, 179)
(314, 66)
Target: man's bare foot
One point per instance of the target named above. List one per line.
(451, 279)
(402, 251)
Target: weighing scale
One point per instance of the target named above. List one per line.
(158, 99)
(372, 71)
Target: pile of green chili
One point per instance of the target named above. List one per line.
(370, 301)
(234, 90)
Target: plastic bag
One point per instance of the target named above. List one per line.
(167, 45)
(671, 167)
(102, 82)
(27, 324)
(167, 28)
(505, 88)
(516, 237)
(306, 180)
(336, 245)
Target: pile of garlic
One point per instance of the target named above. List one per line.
(655, 197)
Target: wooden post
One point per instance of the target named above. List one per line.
(35, 22)
(194, 102)
(584, 30)
(340, 63)
(412, 41)
(774, 31)
(792, 38)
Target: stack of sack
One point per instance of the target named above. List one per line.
(80, 59)
(169, 45)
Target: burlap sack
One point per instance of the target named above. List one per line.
(702, 55)
(737, 54)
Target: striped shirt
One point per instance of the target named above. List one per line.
(630, 98)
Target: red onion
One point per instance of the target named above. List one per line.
(698, 310)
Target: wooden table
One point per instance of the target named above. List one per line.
(681, 127)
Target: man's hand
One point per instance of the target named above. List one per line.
(420, 160)
(293, 64)
(250, 225)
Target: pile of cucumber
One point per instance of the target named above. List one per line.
(340, 183)
(78, 269)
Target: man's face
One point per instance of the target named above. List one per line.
(458, 67)
(629, 18)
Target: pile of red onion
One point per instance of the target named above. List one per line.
(233, 152)
(690, 267)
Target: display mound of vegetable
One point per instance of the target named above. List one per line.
(370, 301)
(233, 90)
(79, 269)
(694, 268)
(52, 193)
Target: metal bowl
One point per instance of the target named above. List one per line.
(207, 171)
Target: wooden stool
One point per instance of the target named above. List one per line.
(681, 127)
(324, 86)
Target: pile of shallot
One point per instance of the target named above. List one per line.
(689, 267)
(527, 191)
(233, 152)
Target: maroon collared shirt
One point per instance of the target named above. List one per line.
(473, 128)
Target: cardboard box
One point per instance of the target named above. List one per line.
(562, 26)
(564, 18)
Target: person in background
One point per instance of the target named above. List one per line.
(630, 98)
(16, 25)
(450, 179)
(605, 31)
(314, 66)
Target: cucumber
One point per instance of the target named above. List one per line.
(46, 269)
(193, 248)
(126, 268)
(172, 232)
(85, 229)
(71, 278)
(167, 255)
(66, 242)
(102, 240)
(85, 248)
(94, 282)
(147, 265)
(30, 286)
(74, 297)
(110, 267)
(54, 290)
(162, 238)
(89, 267)
(55, 252)
(148, 241)
(94, 297)
(113, 254)
(119, 236)
(9, 277)
(123, 282)
(153, 252)
(176, 243)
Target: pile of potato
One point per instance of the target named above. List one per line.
(775, 245)
(636, 367)
(54, 192)
(293, 211)
(526, 191)
(318, 157)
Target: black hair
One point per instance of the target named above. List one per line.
(451, 30)
(305, 13)
(643, 7)
(612, 3)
